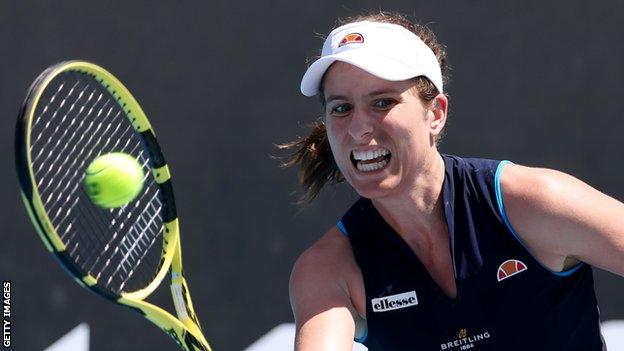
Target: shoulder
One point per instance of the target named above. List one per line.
(327, 295)
(329, 259)
(322, 255)
(540, 188)
(327, 271)
(548, 210)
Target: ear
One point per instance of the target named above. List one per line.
(439, 111)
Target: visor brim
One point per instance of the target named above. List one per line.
(375, 63)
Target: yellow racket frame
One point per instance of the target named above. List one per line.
(185, 329)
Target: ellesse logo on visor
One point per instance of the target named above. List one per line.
(352, 38)
(394, 302)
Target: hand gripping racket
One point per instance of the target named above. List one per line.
(74, 112)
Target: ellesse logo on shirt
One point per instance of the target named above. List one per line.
(394, 302)
(510, 268)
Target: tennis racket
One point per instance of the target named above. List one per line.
(74, 112)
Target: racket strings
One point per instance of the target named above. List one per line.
(135, 234)
(71, 175)
(74, 160)
(75, 143)
(58, 123)
(114, 230)
(76, 120)
(45, 109)
(129, 260)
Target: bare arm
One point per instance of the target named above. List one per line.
(320, 297)
(563, 220)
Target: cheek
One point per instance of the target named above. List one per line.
(330, 130)
(399, 128)
(407, 132)
(334, 142)
(335, 133)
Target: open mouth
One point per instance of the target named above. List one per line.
(370, 160)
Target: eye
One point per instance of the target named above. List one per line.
(384, 104)
(340, 110)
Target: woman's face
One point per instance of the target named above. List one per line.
(381, 134)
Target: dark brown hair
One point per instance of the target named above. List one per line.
(313, 152)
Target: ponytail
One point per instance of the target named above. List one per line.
(314, 156)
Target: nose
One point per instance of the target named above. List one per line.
(361, 125)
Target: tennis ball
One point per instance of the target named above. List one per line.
(113, 180)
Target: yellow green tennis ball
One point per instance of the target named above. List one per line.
(113, 180)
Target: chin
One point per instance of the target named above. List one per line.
(376, 190)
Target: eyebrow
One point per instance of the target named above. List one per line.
(335, 97)
(384, 91)
(371, 94)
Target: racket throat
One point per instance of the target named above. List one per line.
(179, 293)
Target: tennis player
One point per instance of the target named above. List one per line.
(440, 252)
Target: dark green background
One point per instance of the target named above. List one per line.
(535, 82)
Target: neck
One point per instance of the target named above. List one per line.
(417, 214)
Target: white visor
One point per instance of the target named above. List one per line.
(385, 50)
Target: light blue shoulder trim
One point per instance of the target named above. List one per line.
(363, 338)
(503, 213)
(342, 228)
(344, 232)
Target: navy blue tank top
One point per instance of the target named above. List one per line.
(506, 300)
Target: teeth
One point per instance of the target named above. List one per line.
(371, 166)
(370, 154)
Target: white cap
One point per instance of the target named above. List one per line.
(385, 50)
